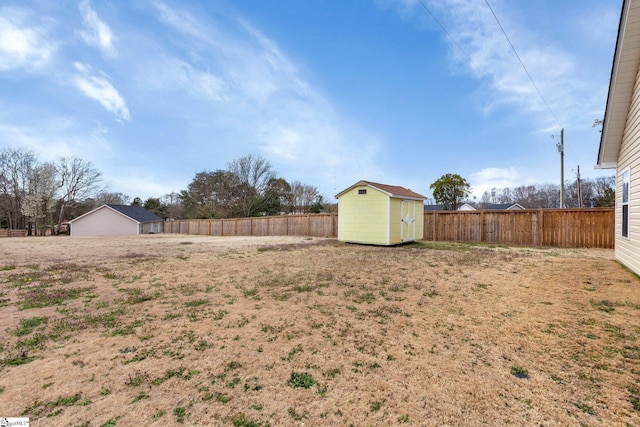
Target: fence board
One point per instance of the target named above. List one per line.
(314, 225)
(555, 227)
(12, 233)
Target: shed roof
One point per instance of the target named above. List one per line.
(626, 59)
(391, 190)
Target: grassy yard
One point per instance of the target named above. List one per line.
(171, 330)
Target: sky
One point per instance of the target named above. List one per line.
(330, 92)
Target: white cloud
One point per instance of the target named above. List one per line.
(96, 32)
(23, 46)
(488, 56)
(488, 178)
(181, 20)
(99, 88)
(142, 185)
(258, 91)
(51, 138)
(166, 73)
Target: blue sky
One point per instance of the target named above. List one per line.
(329, 92)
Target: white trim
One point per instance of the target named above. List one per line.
(627, 172)
(388, 220)
(339, 228)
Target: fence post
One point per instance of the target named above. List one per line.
(541, 241)
(433, 226)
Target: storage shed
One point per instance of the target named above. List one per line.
(116, 220)
(379, 214)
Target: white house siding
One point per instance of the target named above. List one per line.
(104, 222)
(627, 249)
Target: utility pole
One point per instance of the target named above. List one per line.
(560, 146)
(579, 189)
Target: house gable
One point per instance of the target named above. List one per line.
(103, 221)
(116, 220)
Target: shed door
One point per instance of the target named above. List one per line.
(408, 221)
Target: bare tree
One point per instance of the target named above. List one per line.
(254, 174)
(78, 180)
(305, 198)
(107, 198)
(172, 200)
(38, 203)
(16, 166)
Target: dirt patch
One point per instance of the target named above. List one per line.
(158, 330)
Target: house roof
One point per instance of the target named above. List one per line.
(136, 213)
(391, 190)
(431, 208)
(626, 59)
(504, 206)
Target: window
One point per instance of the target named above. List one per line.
(625, 203)
(363, 191)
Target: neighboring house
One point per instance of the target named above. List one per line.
(379, 214)
(620, 139)
(431, 208)
(463, 207)
(466, 207)
(505, 207)
(116, 220)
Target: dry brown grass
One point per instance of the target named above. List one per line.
(164, 330)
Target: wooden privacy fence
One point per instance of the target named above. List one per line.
(12, 233)
(313, 225)
(593, 228)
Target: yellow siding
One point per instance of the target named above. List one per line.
(363, 218)
(396, 225)
(628, 249)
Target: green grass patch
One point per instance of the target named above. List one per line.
(519, 372)
(20, 359)
(301, 379)
(27, 325)
(39, 297)
(585, 408)
(180, 412)
(604, 305)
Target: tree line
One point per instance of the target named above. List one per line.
(452, 190)
(40, 196)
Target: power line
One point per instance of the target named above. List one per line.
(448, 34)
(521, 63)
(426, 8)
